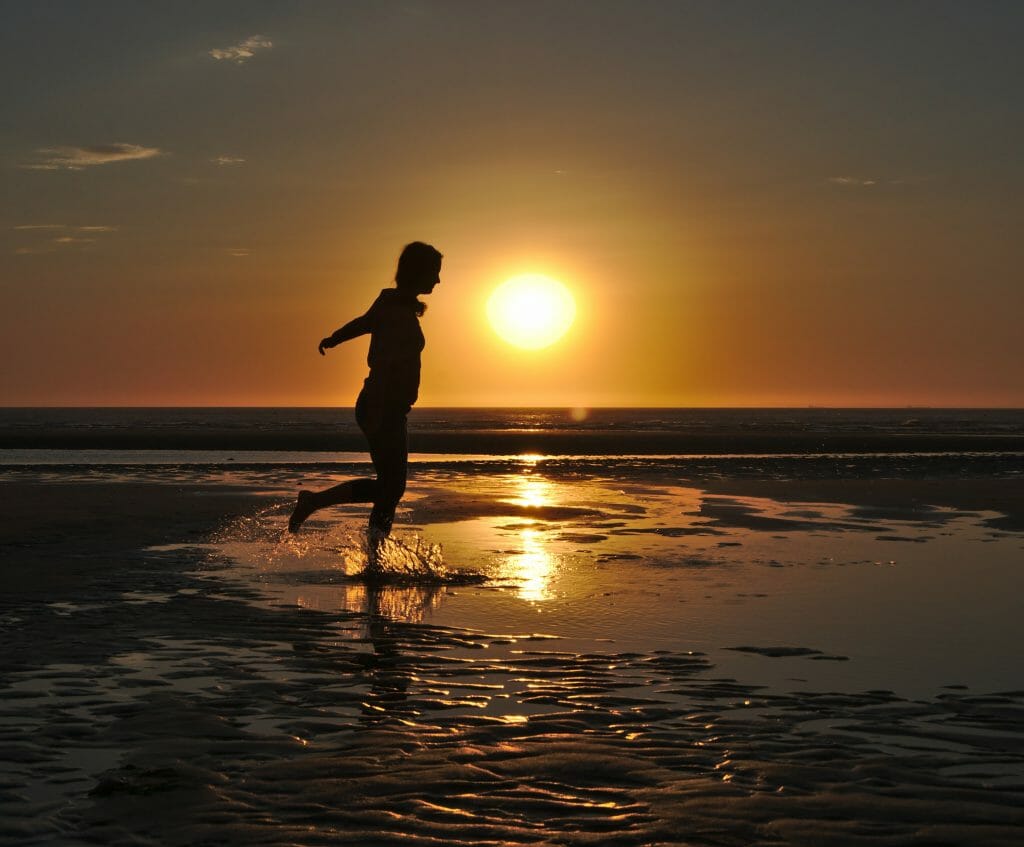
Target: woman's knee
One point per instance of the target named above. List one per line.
(392, 489)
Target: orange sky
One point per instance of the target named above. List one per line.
(752, 207)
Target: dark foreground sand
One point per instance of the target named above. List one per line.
(149, 698)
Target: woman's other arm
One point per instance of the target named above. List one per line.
(353, 329)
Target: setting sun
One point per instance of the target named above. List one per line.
(531, 311)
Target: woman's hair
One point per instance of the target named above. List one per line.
(416, 261)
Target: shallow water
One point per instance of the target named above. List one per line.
(646, 663)
(889, 593)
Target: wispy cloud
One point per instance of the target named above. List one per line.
(855, 181)
(92, 228)
(238, 252)
(76, 158)
(877, 181)
(49, 238)
(227, 160)
(241, 53)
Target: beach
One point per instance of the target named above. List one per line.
(703, 650)
(682, 338)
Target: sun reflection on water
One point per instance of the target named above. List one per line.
(533, 567)
(409, 604)
(532, 491)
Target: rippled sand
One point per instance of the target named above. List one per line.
(648, 662)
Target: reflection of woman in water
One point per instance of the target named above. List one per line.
(388, 392)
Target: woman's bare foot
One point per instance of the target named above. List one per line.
(304, 506)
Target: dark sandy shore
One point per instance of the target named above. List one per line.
(149, 699)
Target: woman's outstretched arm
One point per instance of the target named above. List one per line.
(353, 329)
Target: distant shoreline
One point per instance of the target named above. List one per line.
(558, 432)
(559, 443)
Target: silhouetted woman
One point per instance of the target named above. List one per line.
(388, 392)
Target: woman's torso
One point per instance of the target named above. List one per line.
(396, 342)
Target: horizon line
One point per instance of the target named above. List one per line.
(803, 407)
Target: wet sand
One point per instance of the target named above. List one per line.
(986, 494)
(652, 661)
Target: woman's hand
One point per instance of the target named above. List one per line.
(325, 344)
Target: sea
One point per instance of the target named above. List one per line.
(145, 436)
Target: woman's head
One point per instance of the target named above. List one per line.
(419, 268)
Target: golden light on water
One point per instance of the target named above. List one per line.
(533, 492)
(533, 567)
(409, 604)
(531, 311)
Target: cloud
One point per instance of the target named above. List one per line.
(227, 160)
(873, 181)
(241, 53)
(856, 181)
(238, 252)
(24, 227)
(49, 238)
(77, 158)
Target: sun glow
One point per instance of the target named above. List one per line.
(531, 311)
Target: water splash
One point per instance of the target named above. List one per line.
(401, 559)
(259, 527)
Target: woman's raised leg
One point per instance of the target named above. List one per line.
(350, 491)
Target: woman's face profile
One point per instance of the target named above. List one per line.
(429, 280)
